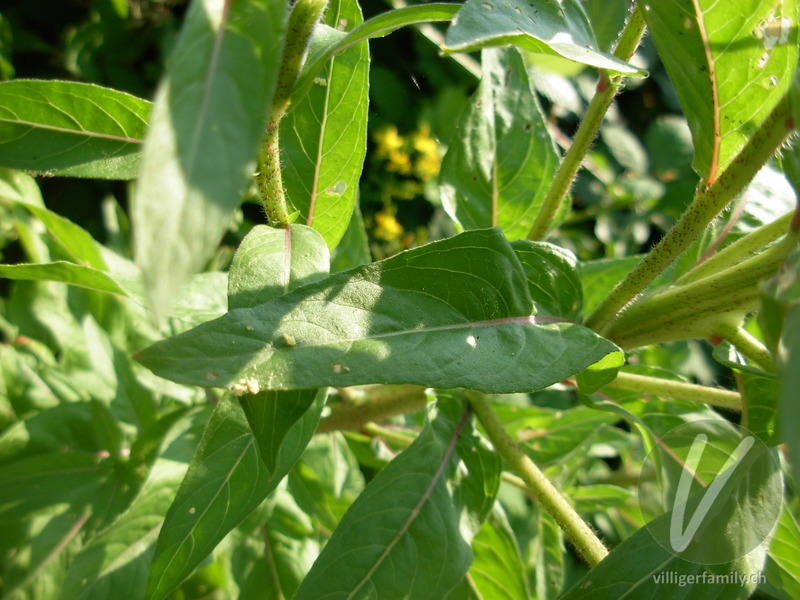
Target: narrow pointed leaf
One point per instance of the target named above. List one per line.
(226, 481)
(501, 160)
(730, 63)
(66, 272)
(408, 534)
(455, 313)
(328, 42)
(69, 128)
(324, 139)
(558, 27)
(200, 151)
(269, 263)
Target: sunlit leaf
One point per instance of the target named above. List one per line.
(501, 160)
(455, 313)
(71, 128)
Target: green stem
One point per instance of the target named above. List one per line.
(378, 404)
(304, 16)
(677, 389)
(700, 308)
(556, 505)
(707, 204)
(741, 249)
(606, 90)
(748, 346)
(398, 439)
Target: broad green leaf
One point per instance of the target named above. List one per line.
(67, 272)
(327, 41)
(783, 559)
(408, 534)
(642, 567)
(225, 482)
(553, 278)
(200, 150)
(454, 313)
(353, 249)
(324, 138)
(501, 160)
(730, 65)
(779, 318)
(552, 27)
(36, 567)
(269, 263)
(607, 18)
(118, 558)
(497, 571)
(80, 479)
(69, 128)
(599, 497)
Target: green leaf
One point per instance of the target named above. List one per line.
(118, 558)
(67, 272)
(730, 65)
(324, 138)
(69, 128)
(498, 571)
(552, 27)
(783, 559)
(638, 567)
(269, 263)
(408, 535)
(328, 42)
(225, 482)
(353, 249)
(553, 278)
(547, 555)
(454, 313)
(200, 151)
(600, 373)
(600, 276)
(501, 160)
(779, 318)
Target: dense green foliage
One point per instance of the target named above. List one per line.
(499, 297)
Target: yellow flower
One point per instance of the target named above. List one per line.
(388, 141)
(386, 226)
(427, 164)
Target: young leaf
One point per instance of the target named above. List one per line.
(226, 481)
(553, 278)
(269, 263)
(454, 313)
(324, 138)
(200, 150)
(501, 160)
(408, 535)
(730, 63)
(72, 129)
(553, 27)
(328, 42)
(498, 571)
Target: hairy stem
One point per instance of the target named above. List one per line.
(377, 404)
(304, 16)
(556, 505)
(677, 389)
(607, 88)
(741, 249)
(707, 204)
(748, 346)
